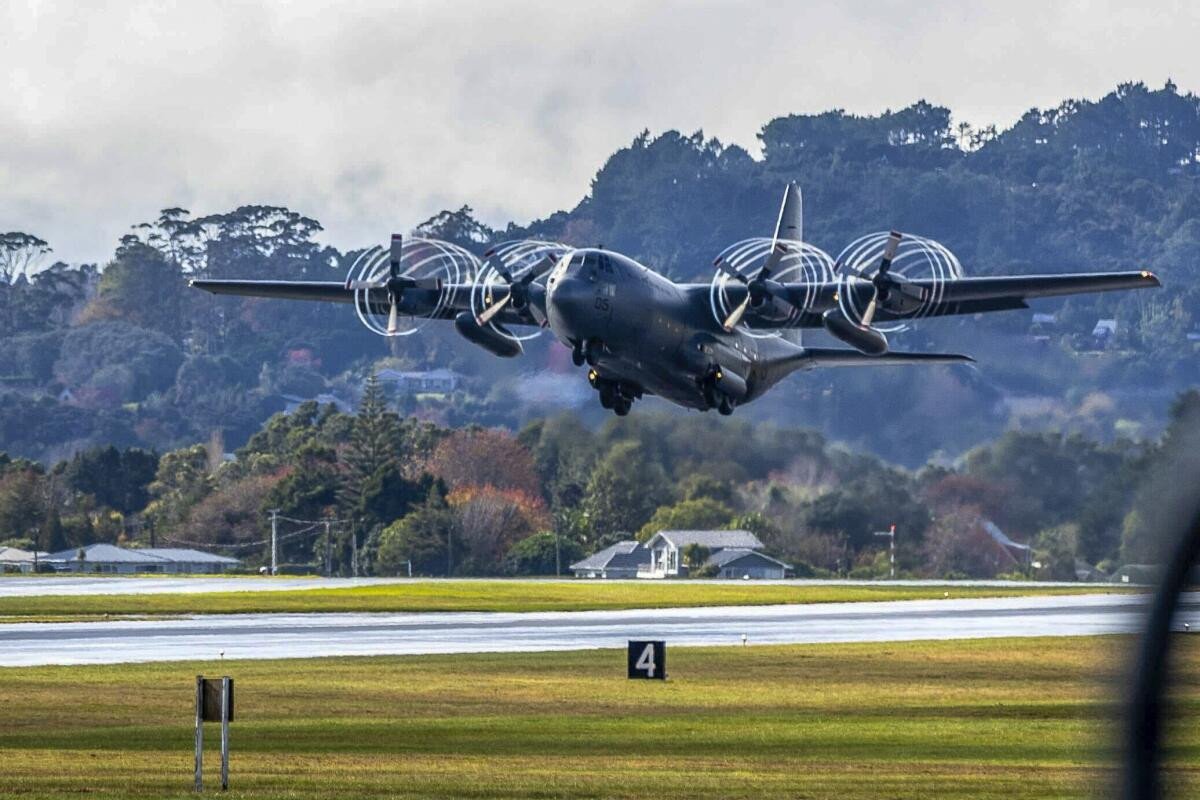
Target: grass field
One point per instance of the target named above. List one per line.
(499, 595)
(1028, 718)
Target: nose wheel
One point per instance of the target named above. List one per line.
(587, 352)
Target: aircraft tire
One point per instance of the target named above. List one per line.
(726, 406)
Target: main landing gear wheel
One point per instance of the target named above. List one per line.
(726, 405)
(615, 396)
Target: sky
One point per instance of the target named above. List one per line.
(373, 116)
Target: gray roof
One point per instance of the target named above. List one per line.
(727, 556)
(15, 555)
(713, 540)
(622, 555)
(188, 555)
(106, 554)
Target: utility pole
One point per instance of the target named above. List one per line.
(328, 552)
(557, 555)
(274, 541)
(354, 552)
(891, 534)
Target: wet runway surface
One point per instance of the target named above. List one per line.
(310, 635)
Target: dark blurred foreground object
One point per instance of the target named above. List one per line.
(1144, 727)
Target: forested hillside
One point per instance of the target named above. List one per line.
(123, 353)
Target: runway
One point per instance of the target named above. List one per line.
(257, 636)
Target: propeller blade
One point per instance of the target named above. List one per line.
(493, 310)
(869, 314)
(728, 269)
(498, 264)
(394, 264)
(889, 251)
(393, 318)
(537, 270)
(734, 318)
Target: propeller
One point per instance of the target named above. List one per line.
(884, 282)
(758, 288)
(396, 283)
(788, 226)
(518, 288)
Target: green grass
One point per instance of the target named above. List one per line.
(498, 595)
(1011, 719)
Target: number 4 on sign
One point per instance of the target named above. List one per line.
(648, 660)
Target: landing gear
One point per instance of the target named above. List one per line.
(714, 397)
(590, 351)
(616, 396)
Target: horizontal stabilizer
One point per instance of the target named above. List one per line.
(839, 357)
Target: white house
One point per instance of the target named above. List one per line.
(668, 550)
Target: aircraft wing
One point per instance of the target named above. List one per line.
(972, 295)
(444, 303)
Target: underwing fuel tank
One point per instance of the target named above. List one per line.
(486, 336)
(861, 338)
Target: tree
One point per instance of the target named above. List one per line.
(20, 254)
(956, 545)
(699, 514)
(625, 488)
(117, 479)
(375, 444)
(540, 554)
(485, 457)
(694, 555)
(488, 521)
(422, 537)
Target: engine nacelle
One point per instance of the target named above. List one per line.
(864, 339)
(486, 336)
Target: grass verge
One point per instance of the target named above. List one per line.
(1011, 719)
(499, 595)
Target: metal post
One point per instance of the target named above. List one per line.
(225, 733)
(328, 552)
(199, 733)
(557, 556)
(891, 534)
(274, 541)
(354, 552)
(892, 555)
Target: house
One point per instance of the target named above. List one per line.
(110, 559)
(669, 549)
(621, 560)
(1104, 332)
(16, 559)
(435, 381)
(105, 558)
(740, 562)
(189, 561)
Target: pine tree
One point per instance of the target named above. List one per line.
(375, 443)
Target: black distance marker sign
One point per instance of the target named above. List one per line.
(648, 660)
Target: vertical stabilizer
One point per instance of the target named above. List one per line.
(790, 224)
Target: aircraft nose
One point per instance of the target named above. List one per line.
(567, 303)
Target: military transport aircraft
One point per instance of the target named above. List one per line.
(700, 345)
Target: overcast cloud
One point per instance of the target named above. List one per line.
(373, 116)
